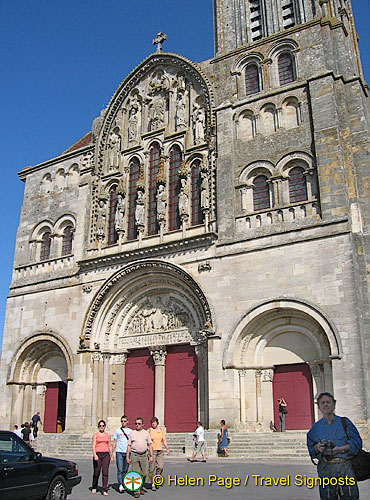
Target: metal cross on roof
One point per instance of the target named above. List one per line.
(158, 40)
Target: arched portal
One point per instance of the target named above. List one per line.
(150, 318)
(39, 373)
(282, 348)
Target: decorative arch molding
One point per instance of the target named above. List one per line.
(296, 156)
(253, 57)
(121, 296)
(153, 62)
(34, 349)
(263, 313)
(281, 46)
(256, 168)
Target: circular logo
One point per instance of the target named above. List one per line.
(133, 481)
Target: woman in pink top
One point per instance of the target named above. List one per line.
(102, 450)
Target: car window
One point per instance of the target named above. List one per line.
(13, 450)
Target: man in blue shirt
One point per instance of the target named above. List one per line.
(327, 441)
(120, 439)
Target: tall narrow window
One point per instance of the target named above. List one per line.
(134, 177)
(256, 19)
(252, 82)
(286, 68)
(261, 193)
(196, 210)
(67, 240)
(112, 234)
(297, 185)
(174, 189)
(152, 189)
(45, 246)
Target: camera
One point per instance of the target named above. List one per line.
(328, 450)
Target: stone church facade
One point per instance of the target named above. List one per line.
(204, 250)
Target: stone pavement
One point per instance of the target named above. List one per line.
(181, 470)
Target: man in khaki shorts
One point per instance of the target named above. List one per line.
(199, 443)
(139, 442)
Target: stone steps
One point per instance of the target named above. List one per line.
(247, 445)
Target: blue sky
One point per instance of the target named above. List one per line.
(62, 61)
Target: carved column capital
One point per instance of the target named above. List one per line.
(242, 372)
(119, 359)
(159, 353)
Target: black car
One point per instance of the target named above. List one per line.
(27, 474)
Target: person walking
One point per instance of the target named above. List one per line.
(199, 443)
(224, 439)
(103, 456)
(120, 441)
(35, 420)
(334, 441)
(139, 443)
(158, 437)
(26, 433)
(282, 407)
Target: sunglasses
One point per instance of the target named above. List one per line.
(101, 425)
(138, 423)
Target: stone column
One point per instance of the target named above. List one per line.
(159, 354)
(201, 352)
(105, 395)
(95, 358)
(118, 362)
(243, 414)
(258, 374)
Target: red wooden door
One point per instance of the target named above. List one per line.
(181, 397)
(51, 406)
(139, 387)
(294, 384)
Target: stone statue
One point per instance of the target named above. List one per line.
(180, 111)
(183, 199)
(114, 146)
(157, 114)
(133, 123)
(140, 209)
(199, 123)
(204, 191)
(161, 203)
(120, 213)
(101, 220)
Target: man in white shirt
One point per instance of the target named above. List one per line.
(199, 443)
(120, 440)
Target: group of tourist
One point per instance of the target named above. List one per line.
(135, 448)
(28, 431)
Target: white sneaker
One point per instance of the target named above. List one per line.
(154, 488)
(121, 489)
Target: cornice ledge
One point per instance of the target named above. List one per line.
(202, 241)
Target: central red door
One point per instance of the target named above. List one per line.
(51, 407)
(294, 384)
(139, 387)
(181, 398)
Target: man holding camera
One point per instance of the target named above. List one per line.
(327, 441)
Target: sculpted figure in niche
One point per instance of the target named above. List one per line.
(204, 191)
(101, 220)
(133, 123)
(157, 114)
(180, 111)
(114, 146)
(183, 198)
(161, 202)
(140, 209)
(199, 123)
(120, 213)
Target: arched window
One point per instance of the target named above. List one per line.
(112, 234)
(261, 193)
(134, 177)
(174, 189)
(297, 185)
(286, 68)
(152, 189)
(45, 246)
(252, 82)
(196, 210)
(67, 240)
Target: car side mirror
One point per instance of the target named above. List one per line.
(37, 457)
